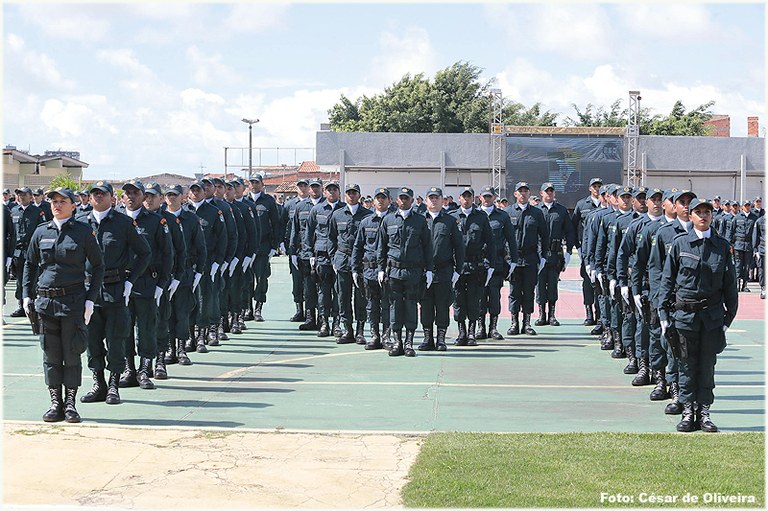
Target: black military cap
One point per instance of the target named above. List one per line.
(521, 184)
(352, 186)
(547, 186)
(134, 183)
(231, 183)
(153, 187)
(381, 191)
(174, 189)
(237, 181)
(316, 181)
(256, 177)
(64, 191)
(595, 180)
(218, 181)
(716, 197)
(207, 181)
(700, 202)
(405, 191)
(331, 183)
(23, 189)
(434, 190)
(488, 190)
(468, 189)
(104, 186)
(680, 193)
(84, 191)
(199, 183)
(302, 180)
(623, 190)
(669, 193)
(654, 191)
(640, 190)
(37, 191)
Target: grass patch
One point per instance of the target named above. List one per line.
(460, 470)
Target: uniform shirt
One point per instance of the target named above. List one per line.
(299, 245)
(290, 210)
(696, 269)
(661, 244)
(177, 242)
(194, 242)
(581, 212)
(46, 207)
(615, 236)
(56, 258)
(531, 233)
(591, 230)
(560, 227)
(9, 242)
(741, 233)
(122, 248)
(318, 231)
(758, 236)
(154, 228)
(230, 225)
(604, 231)
(477, 238)
(268, 218)
(626, 257)
(447, 245)
(250, 233)
(214, 233)
(343, 232)
(25, 221)
(504, 238)
(406, 242)
(638, 277)
(366, 242)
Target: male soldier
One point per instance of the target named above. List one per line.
(8, 198)
(126, 256)
(26, 217)
(644, 295)
(660, 247)
(699, 299)
(404, 258)
(758, 243)
(717, 208)
(301, 252)
(741, 238)
(728, 223)
(448, 257)
(344, 225)
(268, 218)
(477, 238)
(84, 205)
(9, 242)
(62, 254)
(40, 202)
(607, 226)
(215, 234)
(421, 208)
(243, 197)
(506, 249)
(184, 302)
(152, 201)
(364, 263)
(214, 193)
(250, 238)
(530, 234)
(148, 289)
(297, 280)
(588, 247)
(581, 213)
(317, 236)
(560, 230)
(758, 206)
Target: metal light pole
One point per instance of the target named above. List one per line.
(250, 123)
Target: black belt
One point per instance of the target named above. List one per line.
(321, 253)
(52, 292)
(401, 265)
(443, 264)
(151, 273)
(529, 250)
(114, 276)
(682, 304)
(370, 264)
(344, 250)
(474, 259)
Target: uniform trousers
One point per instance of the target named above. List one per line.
(378, 302)
(63, 340)
(309, 284)
(521, 289)
(18, 271)
(107, 336)
(466, 302)
(327, 303)
(436, 304)
(546, 283)
(297, 284)
(642, 336)
(351, 298)
(587, 291)
(261, 272)
(741, 259)
(143, 331)
(697, 370)
(183, 308)
(163, 322)
(490, 298)
(404, 308)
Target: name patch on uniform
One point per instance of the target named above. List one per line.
(692, 256)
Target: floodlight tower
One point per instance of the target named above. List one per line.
(633, 138)
(497, 141)
(250, 123)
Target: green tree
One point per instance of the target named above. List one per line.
(679, 122)
(515, 114)
(599, 116)
(63, 179)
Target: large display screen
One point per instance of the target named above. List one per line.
(569, 162)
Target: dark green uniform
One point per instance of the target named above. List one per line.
(179, 267)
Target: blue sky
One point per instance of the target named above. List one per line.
(144, 88)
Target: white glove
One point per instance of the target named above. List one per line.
(272, 253)
(625, 294)
(295, 261)
(214, 269)
(282, 247)
(567, 258)
(223, 267)
(233, 265)
(246, 263)
(429, 277)
(588, 269)
(612, 286)
(542, 262)
(512, 267)
(578, 251)
(253, 259)
(28, 304)
(725, 328)
(158, 295)
(638, 302)
(599, 276)
(172, 287)
(664, 325)
(488, 276)
(88, 311)
(454, 279)
(381, 277)
(8, 262)
(196, 281)
(356, 279)
(335, 270)
(592, 275)
(127, 291)
(312, 261)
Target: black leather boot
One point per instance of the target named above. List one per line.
(397, 347)
(241, 321)
(704, 420)
(643, 376)
(428, 344)
(347, 337)
(309, 321)
(224, 325)
(408, 348)
(201, 340)
(375, 342)
(70, 412)
(674, 407)
(56, 412)
(618, 348)
(192, 341)
(161, 373)
(527, 329)
(113, 393)
(542, 316)
(324, 330)
(128, 378)
(598, 330)
(98, 393)
(514, 329)
(299, 315)
(212, 337)
(170, 355)
(257, 312)
(234, 325)
(461, 339)
(181, 354)
(493, 332)
(143, 374)
(631, 367)
(552, 319)
(386, 338)
(471, 339)
(606, 340)
(441, 346)
(360, 333)
(659, 392)
(19, 312)
(687, 423)
(481, 333)
(336, 326)
(248, 314)
(590, 318)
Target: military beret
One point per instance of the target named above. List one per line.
(104, 186)
(405, 191)
(64, 191)
(547, 185)
(488, 190)
(134, 183)
(153, 187)
(434, 190)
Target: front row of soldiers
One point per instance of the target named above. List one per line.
(174, 272)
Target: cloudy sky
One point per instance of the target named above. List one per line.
(143, 88)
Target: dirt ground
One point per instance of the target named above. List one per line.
(171, 468)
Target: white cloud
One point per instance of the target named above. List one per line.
(80, 116)
(210, 69)
(126, 61)
(408, 52)
(76, 22)
(28, 68)
(256, 17)
(669, 22)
